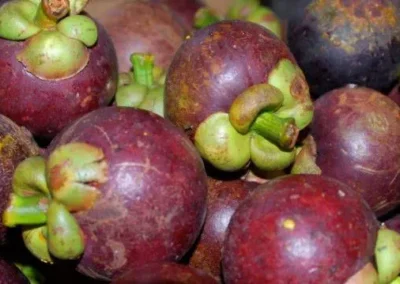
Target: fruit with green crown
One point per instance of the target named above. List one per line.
(237, 92)
(55, 64)
(120, 187)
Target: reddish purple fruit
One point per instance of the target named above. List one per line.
(165, 273)
(299, 229)
(393, 223)
(223, 199)
(139, 27)
(16, 144)
(130, 187)
(10, 274)
(358, 140)
(46, 99)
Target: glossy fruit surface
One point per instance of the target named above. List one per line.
(299, 229)
(358, 141)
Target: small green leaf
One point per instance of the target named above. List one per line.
(65, 238)
(17, 20)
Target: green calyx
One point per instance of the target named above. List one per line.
(247, 10)
(387, 255)
(142, 88)
(46, 193)
(264, 124)
(57, 37)
(306, 156)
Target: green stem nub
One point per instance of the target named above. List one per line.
(281, 131)
(205, 17)
(25, 211)
(50, 12)
(143, 65)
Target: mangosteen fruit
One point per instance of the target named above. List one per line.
(357, 133)
(347, 42)
(165, 273)
(10, 274)
(299, 229)
(393, 223)
(395, 94)
(55, 64)
(224, 196)
(143, 87)
(16, 144)
(139, 27)
(237, 92)
(119, 187)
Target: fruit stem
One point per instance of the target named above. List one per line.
(143, 65)
(25, 211)
(205, 17)
(280, 131)
(50, 12)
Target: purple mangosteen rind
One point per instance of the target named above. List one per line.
(275, 107)
(143, 87)
(56, 37)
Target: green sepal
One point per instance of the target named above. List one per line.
(29, 178)
(74, 171)
(266, 18)
(79, 27)
(35, 239)
(65, 238)
(17, 20)
(77, 6)
(53, 56)
(266, 156)
(387, 255)
(34, 276)
(220, 144)
(154, 101)
(240, 9)
(131, 95)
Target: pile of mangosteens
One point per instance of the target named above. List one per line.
(184, 141)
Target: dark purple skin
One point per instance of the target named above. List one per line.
(340, 42)
(330, 237)
(165, 273)
(154, 29)
(223, 199)
(395, 94)
(46, 107)
(134, 223)
(10, 274)
(358, 140)
(16, 144)
(214, 66)
(184, 10)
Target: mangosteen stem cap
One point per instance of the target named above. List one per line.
(305, 161)
(143, 65)
(50, 11)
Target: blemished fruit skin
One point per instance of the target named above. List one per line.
(153, 205)
(224, 196)
(45, 107)
(347, 42)
(358, 142)
(10, 274)
(141, 27)
(165, 273)
(218, 63)
(16, 144)
(299, 229)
